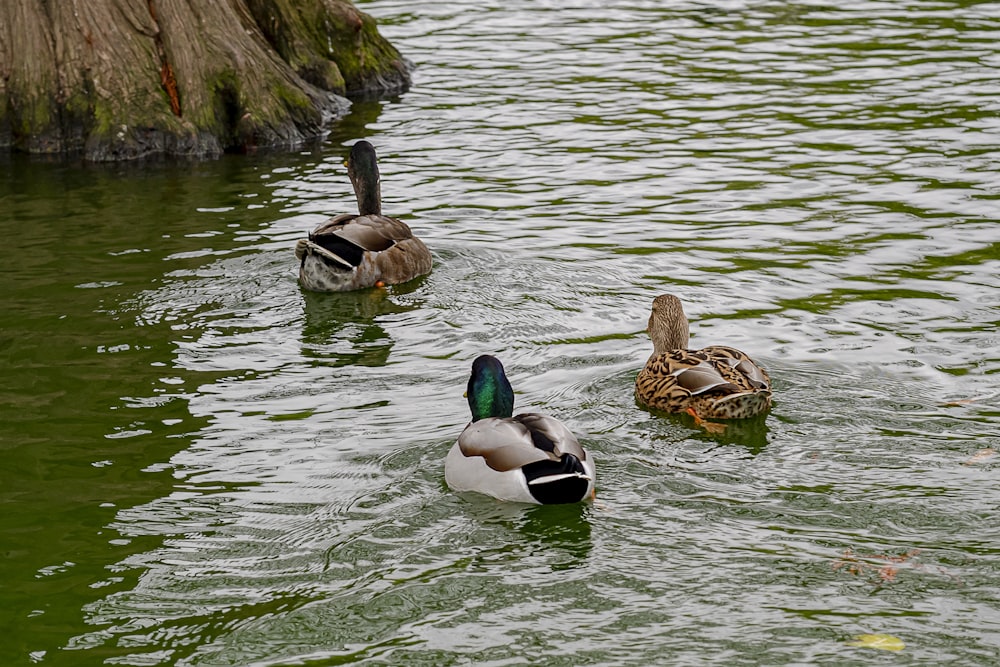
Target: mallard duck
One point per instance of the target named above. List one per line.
(530, 458)
(351, 252)
(713, 382)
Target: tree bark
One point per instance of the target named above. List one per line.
(121, 79)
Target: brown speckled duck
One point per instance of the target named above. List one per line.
(713, 382)
(352, 252)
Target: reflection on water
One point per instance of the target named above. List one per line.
(748, 433)
(345, 329)
(207, 465)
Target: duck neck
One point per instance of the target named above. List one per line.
(362, 169)
(668, 334)
(369, 193)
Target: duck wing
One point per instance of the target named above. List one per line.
(738, 368)
(701, 378)
(686, 372)
(551, 435)
(348, 237)
(509, 444)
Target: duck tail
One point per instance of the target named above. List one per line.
(301, 249)
(742, 405)
(554, 482)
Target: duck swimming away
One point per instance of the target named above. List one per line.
(528, 458)
(713, 382)
(350, 252)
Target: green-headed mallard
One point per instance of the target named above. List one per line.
(351, 252)
(713, 382)
(530, 458)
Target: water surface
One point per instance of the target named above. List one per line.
(205, 465)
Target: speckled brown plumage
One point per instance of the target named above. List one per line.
(715, 382)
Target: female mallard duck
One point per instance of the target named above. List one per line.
(715, 382)
(355, 251)
(530, 458)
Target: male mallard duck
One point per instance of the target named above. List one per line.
(530, 458)
(715, 382)
(355, 251)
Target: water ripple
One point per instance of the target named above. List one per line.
(816, 181)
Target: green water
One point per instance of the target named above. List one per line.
(204, 465)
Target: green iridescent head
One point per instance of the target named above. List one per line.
(489, 391)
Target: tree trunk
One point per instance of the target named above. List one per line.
(120, 79)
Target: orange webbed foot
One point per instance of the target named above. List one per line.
(694, 414)
(708, 426)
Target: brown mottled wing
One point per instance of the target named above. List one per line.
(738, 368)
(691, 371)
(701, 378)
(504, 444)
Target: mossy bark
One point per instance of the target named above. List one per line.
(331, 44)
(120, 79)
